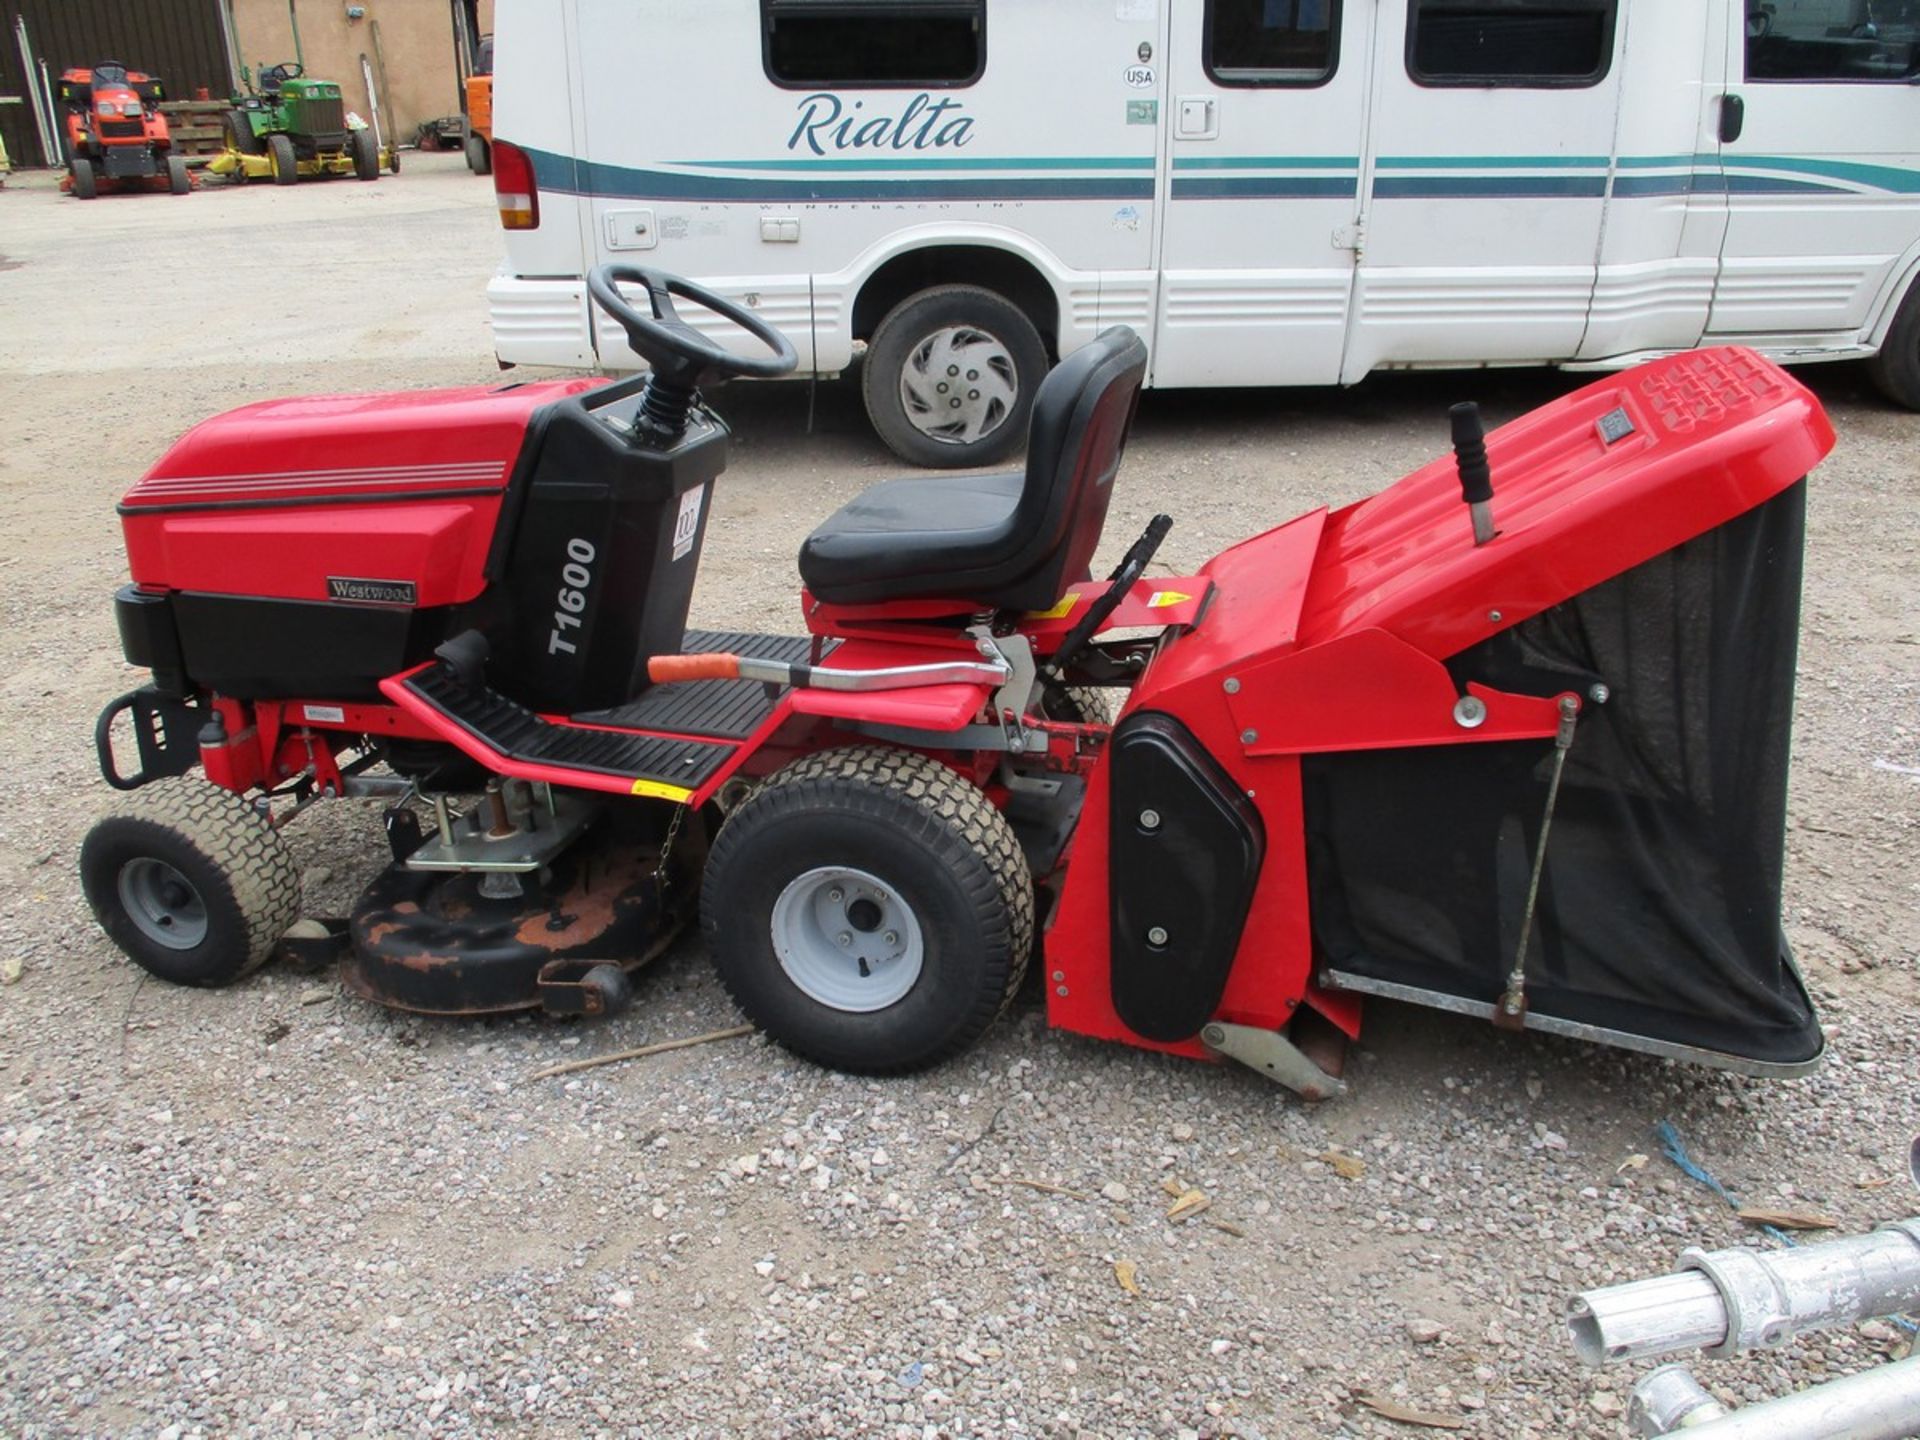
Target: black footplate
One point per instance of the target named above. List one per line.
(519, 734)
(724, 709)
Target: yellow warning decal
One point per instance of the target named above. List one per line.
(1163, 598)
(1059, 611)
(658, 790)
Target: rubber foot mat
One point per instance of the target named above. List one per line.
(724, 709)
(519, 734)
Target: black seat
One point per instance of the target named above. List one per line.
(1001, 541)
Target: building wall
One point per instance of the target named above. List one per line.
(177, 40)
(416, 39)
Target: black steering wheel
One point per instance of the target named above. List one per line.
(679, 354)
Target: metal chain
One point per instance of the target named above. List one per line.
(666, 847)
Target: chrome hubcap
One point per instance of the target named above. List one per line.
(958, 385)
(162, 904)
(847, 939)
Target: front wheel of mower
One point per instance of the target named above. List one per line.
(479, 159)
(190, 881)
(177, 181)
(393, 159)
(286, 165)
(85, 187)
(869, 909)
(366, 155)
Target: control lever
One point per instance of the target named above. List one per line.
(1476, 477)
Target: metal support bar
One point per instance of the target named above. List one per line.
(1275, 1057)
(1727, 1301)
(1512, 1012)
(1878, 1404)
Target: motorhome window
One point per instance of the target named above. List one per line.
(854, 43)
(1833, 40)
(1537, 43)
(1272, 42)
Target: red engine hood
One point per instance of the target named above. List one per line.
(277, 499)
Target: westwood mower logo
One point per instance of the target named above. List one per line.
(829, 125)
(370, 592)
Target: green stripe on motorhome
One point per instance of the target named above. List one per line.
(1234, 177)
(563, 174)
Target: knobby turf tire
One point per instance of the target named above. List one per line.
(238, 864)
(1077, 704)
(928, 834)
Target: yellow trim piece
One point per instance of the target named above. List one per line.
(1060, 611)
(655, 790)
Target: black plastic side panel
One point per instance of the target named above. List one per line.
(148, 637)
(254, 648)
(1184, 853)
(604, 551)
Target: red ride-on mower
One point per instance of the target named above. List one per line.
(116, 136)
(1521, 756)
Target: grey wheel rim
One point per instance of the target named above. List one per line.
(162, 904)
(847, 939)
(958, 385)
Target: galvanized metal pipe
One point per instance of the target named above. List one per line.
(1726, 1301)
(1878, 1404)
(1670, 1399)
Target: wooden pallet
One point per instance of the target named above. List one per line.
(197, 126)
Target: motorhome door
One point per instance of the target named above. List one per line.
(1489, 148)
(1265, 108)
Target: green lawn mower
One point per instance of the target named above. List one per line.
(291, 128)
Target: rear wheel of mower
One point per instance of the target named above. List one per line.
(286, 165)
(1896, 369)
(479, 160)
(84, 185)
(950, 376)
(240, 133)
(869, 909)
(193, 884)
(177, 181)
(366, 155)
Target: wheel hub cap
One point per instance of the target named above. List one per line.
(847, 939)
(163, 904)
(958, 385)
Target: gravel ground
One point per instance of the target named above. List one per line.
(275, 1210)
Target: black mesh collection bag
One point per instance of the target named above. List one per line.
(1660, 901)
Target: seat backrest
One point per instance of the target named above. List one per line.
(1079, 432)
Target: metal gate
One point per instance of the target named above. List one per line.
(181, 41)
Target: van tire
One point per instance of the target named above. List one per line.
(1896, 369)
(955, 319)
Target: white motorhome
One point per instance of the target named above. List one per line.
(1272, 192)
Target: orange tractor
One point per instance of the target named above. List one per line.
(116, 136)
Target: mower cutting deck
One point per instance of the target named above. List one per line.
(1508, 738)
